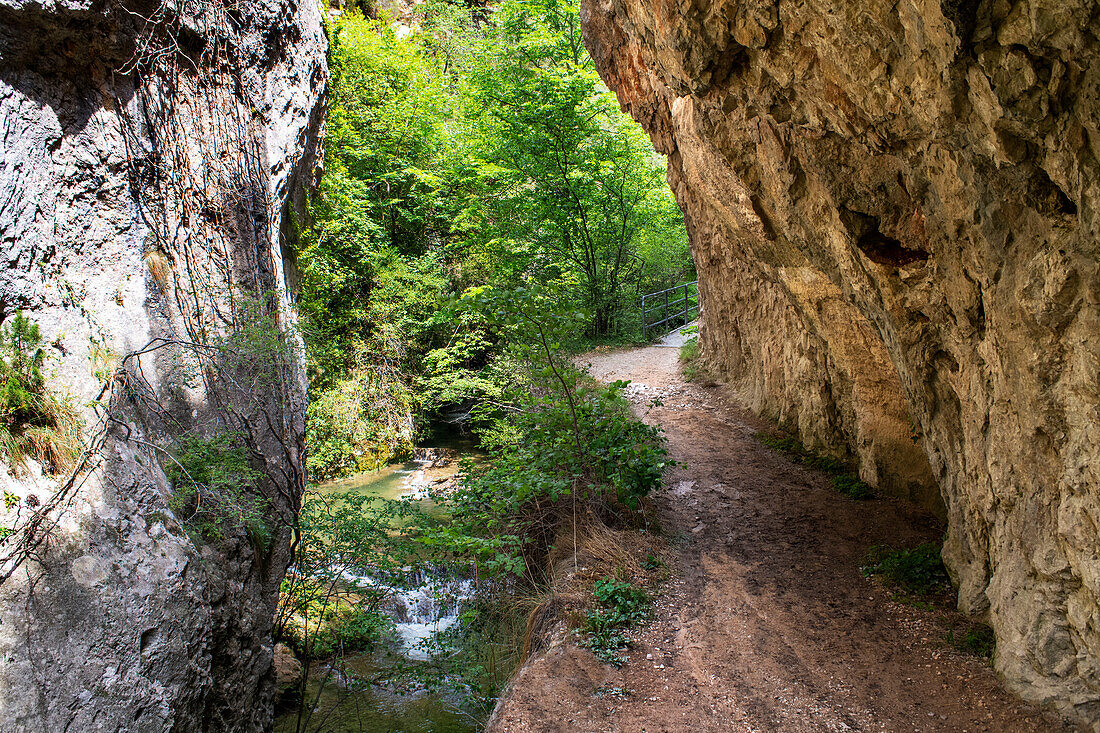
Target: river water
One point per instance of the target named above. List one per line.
(342, 704)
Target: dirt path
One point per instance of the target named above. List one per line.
(767, 624)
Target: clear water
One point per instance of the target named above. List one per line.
(344, 704)
(390, 482)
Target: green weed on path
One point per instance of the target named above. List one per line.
(919, 570)
(621, 605)
(844, 482)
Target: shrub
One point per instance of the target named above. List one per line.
(214, 487)
(594, 449)
(33, 423)
(359, 424)
(919, 570)
(353, 628)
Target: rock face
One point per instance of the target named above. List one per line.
(893, 210)
(151, 156)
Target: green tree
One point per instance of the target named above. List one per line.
(570, 188)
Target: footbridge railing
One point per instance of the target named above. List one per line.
(670, 308)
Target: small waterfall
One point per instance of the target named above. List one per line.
(427, 603)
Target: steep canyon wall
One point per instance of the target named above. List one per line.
(893, 210)
(152, 158)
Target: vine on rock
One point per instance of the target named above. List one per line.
(228, 362)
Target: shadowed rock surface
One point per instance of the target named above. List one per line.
(151, 155)
(892, 209)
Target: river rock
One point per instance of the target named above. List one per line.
(288, 670)
(892, 208)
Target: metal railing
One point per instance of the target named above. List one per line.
(684, 305)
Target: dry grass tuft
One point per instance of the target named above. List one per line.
(58, 446)
(159, 268)
(540, 621)
(611, 548)
(600, 551)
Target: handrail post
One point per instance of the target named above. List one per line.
(684, 304)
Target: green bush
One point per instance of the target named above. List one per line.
(215, 487)
(33, 423)
(360, 423)
(919, 570)
(353, 628)
(320, 612)
(620, 605)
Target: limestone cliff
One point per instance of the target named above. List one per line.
(893, 210)
(152, 154)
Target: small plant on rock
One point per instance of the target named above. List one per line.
(33, 423)
(214, 487)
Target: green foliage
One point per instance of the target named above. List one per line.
(628, 603)
(606, 643)
(783, 443)
(689, 353)
(690, 350)
(570, 193)
(20, 345)
(473, 154)
(844, 482)
(571, 442)
(370, 285)
(216, 489)
(476, 656)
(33, 422)
(918, 570)
(339, 626)
(852, 487)
(978, 640)
(360, 423)
(620, 605)
(322, 612)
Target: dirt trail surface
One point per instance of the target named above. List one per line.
(767, 623)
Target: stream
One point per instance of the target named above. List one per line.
(431, 605)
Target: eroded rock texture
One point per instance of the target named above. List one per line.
(151, 154)
(893, 209)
